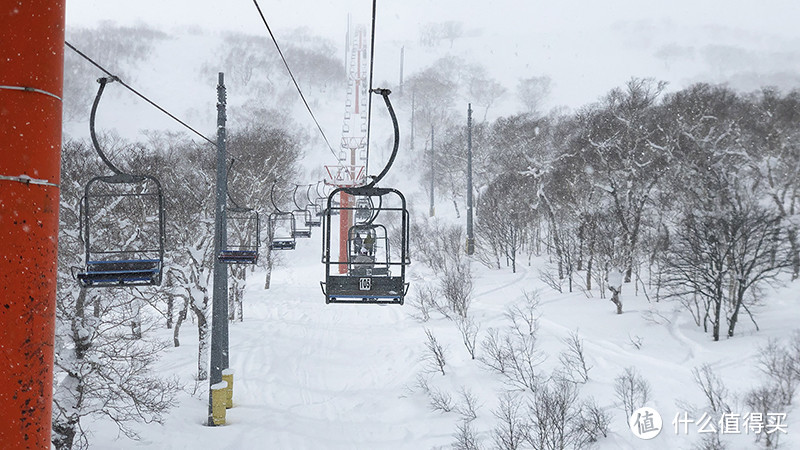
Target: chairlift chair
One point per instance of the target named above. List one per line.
(242, 237)
(281, 226)
(364, 209)
(314, 210)
(121, 223)
(302, 229)
(376, 272)
(368, 250)
(319, 206)
(314, 215)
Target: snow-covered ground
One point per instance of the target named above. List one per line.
(316, 376)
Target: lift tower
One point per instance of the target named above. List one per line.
(31, 85)
(352, 158)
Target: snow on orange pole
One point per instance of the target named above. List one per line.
(31, 85)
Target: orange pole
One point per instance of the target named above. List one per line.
(31, 85)
(345, 221)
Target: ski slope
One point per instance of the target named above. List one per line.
(316, 376)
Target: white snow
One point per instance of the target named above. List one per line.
(314, 376)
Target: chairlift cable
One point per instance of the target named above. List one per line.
(294, 80)
(83, 55)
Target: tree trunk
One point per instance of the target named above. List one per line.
(240, 304)
(181, 317)
(581, 243)
(455, 205)
(268, 278)
(82, 339)
(64, 433)
(513, 259)
(589, 273)
(717, 311)
(136, 322)
(202, 337)
(792, 234)
(615, 298)
(735, 316)
(97, 306)
(68, 394)
(232, 289)
(239, 295)
(170, 306)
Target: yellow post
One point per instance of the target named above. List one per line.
(218, 401)
(227, 376)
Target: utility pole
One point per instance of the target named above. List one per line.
(402, 54)
(433, 177)
(219, 308)
(470, 236)
(31, 86)
(413, 95)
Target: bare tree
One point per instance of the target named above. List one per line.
(556, 421)
(423, 301)
(730, 242)
(715, 392)
(510, 432)
(622, 146)
(102, 367)
(774, 155)
(573, 359)
(781, 364)
(632, 390)
(533, 92)
(515, 354)
(765, 400)
(468, 406)
(469, 333)
(456, 286)
(440, 400)
(466, 437)
(594, 421)
(503, 219)
(435, 355)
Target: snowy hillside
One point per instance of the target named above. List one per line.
(311, 376)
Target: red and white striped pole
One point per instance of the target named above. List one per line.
(31, 85)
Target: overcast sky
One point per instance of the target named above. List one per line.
(586, 47)
(775, 16)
